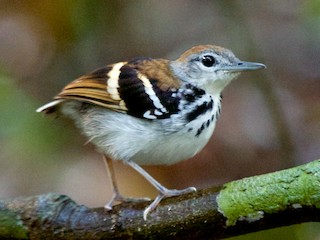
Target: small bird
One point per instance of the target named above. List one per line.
(151, 111)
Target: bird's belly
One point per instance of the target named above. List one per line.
(174, 148)
(145, 142)
(178, 146)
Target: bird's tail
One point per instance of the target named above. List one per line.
(50, 107)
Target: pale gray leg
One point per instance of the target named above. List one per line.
(163, 191)
(116, 194)
(116, 197)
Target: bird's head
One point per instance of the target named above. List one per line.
(210, 67)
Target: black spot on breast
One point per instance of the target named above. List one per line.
(208, 123)
(192, 93)
(199, 110)
(200, 130)
(210, 104)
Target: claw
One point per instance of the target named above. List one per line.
(152, 206)
(117, 198)
(164, 194)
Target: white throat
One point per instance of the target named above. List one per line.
(215, 87)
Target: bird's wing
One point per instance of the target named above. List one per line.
(98, 88)
(130, 88)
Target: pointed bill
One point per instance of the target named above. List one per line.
(242, 66)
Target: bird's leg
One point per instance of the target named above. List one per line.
(116, 197)
(116, 194)
(163, 191)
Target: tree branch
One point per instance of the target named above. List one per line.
(248, 205)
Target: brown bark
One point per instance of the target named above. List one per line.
(193, 216)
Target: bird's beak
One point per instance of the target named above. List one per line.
(243, 66)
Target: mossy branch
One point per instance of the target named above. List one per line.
(248, 205)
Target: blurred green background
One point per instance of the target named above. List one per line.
(270, 119)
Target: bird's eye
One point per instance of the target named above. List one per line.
(208, 60)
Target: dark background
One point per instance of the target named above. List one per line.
(270, 119)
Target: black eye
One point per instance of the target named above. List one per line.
(208, 60)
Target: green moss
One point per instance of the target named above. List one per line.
(11, 226)
(250, 198)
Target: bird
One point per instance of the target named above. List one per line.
(151, 111)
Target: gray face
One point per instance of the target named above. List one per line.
(212, 68)
(213, 61)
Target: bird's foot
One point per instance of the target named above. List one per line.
(164, 193)
(117, 198)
